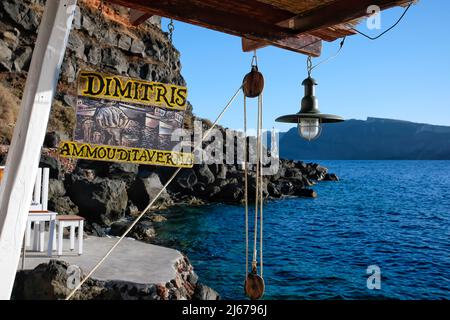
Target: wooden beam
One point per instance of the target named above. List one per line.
(305, 44)
(24, 153)
(138, 17)
(249, 8)
(325, 21)
(337, 12)
(333, 33)
(212, 17)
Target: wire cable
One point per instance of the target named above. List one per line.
(389, 29)
(310, 67)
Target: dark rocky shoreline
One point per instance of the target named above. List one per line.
(110, 195)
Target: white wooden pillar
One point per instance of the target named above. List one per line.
(24, 153)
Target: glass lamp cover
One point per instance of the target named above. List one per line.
(309, 129)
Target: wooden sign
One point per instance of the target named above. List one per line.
(127, 120)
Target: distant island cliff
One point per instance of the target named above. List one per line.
(373, 139)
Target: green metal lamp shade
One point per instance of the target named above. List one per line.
(310, 107)
(323, 118)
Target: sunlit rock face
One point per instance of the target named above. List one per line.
(100, 40)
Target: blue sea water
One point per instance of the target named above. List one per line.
(393, 214)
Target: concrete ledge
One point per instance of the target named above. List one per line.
(132, 260)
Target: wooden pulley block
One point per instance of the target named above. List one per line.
(254, 285)
(253, 84)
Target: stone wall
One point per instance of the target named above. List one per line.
(99, 40)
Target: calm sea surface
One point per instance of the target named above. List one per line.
(393, 214)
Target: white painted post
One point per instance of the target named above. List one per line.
(23, 156)
(51, 237)
(72, 236)
(60, 237)
(41, 236)
(45, 182)
(80, 236)
(36, 229)
(38, 187)
(54, 236)
(28, 234)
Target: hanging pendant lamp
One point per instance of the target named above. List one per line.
(309, 119)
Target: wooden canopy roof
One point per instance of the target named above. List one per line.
(295, 25)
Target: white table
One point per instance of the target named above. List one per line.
(40, 218)
(71, 221)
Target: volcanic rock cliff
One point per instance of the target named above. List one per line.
(100, 40)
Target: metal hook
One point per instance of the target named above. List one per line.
(255, 59)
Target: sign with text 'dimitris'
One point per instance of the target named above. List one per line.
(127, 120)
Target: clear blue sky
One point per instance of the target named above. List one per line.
(404, 75)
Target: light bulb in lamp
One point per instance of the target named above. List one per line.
(309, 129)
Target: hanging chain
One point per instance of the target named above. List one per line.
(309, 65)
(101, 19)
(171, 28)
(100, 9)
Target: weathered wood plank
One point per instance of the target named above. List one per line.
(248, 8)
(297, 6)
(325, 22)
(333, 33)
(305, 44)
(215, 18)
(137, 17)
(267, 22)
(23, 156)
(337, 12)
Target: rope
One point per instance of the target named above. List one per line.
(260, 106)
(258, 185)
(258, 142)
(246, 186)
(151, 202)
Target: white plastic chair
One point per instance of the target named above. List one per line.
(39, 215)
(40, 192)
